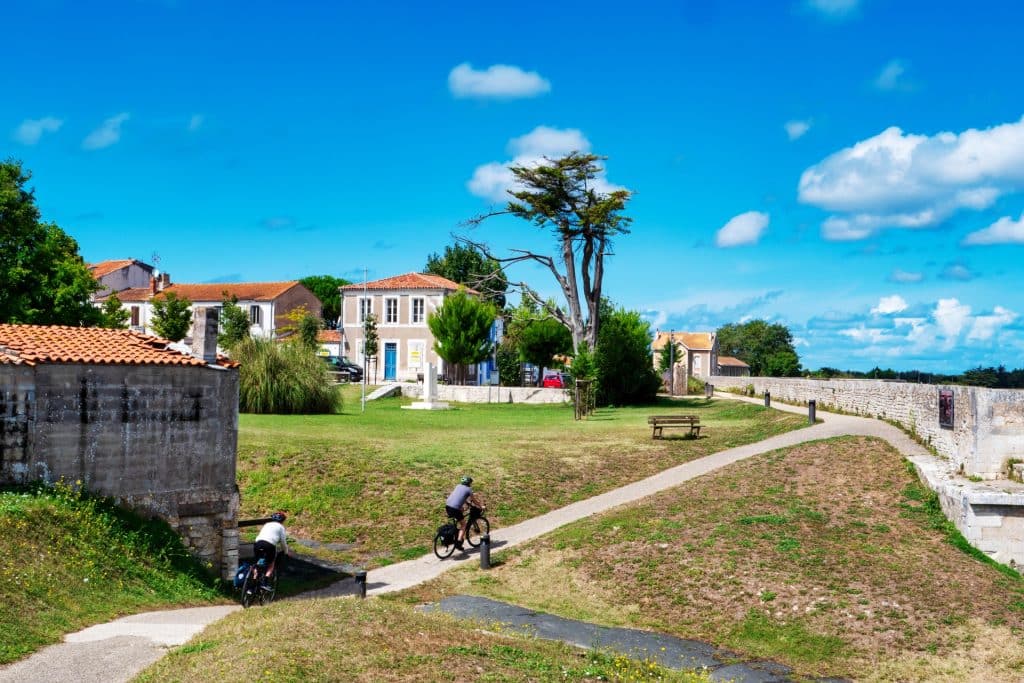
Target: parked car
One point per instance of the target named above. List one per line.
(349, 370)
(557, 380)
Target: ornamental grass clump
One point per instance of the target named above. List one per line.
(283, 378)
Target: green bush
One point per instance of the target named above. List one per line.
(283, 379)
(694, 385)
(625, 373)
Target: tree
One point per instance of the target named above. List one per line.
(506, 357)
(468, 266)
(757, 341)
(172, 316)
(541, 340)
(325, 287)
(625, 373)
(461, 329)
(234, 324)
(112, 315)
(370, 344)
(668, 356)
(43, 279)
(559, 195)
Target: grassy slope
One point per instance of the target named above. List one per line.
(378, 480)
(829, 556)
(68, 562)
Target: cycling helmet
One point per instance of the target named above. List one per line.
(278, 517)
(468, 481)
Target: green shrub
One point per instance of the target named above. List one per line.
(694, 385)
(283, 379)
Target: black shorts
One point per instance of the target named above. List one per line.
(455, 513)
(264, 549)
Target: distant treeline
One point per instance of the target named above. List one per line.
(996, 378)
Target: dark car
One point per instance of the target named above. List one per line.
(349, 370)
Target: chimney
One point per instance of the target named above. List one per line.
(165, 281)
(204, 333)
(152, 285)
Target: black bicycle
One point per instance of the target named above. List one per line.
(476, 527)
(256, 588)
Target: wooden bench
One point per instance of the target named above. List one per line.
(659, 422)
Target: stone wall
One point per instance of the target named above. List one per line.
(159, 439)
(987, 432)
(470, 394)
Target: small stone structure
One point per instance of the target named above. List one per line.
(130, 418)
(429, 401)
(461, 393)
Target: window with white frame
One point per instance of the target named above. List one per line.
(391, 311)
(417, 312)
(255, 315)
(365, 308)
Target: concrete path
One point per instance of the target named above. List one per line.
(117, 651)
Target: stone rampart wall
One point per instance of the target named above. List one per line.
(159, 439)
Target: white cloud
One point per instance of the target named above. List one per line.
(956, 271)
(890, 304)
(107, 134)
(891, 76)
(1003, 231)
(985, 326)
(745, 228)
(952, 317)
(901, 180)
(500, 81)
(195, 123)
(905, 276)
(869, 335)
(796, 129)
(833, 8)
(31, 130)
(493, 180)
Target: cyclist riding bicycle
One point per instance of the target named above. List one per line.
(271, 537)
(457, 499)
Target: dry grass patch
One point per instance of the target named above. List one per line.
(827, 556)
(376, 640)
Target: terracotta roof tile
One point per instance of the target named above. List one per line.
(410, 281)
(35, 344)
(734, 362)
(328, 336)
(245, 291)
(102, 268)
(695, 341)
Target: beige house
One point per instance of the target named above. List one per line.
(401, 305)
(698, 351)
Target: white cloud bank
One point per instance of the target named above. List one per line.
(745, 228)
(500, 81)
(31, 130)
(493, 180)
(901, 180)
(888, 305)
(107, 134)
(1003, 231)
(797, 129)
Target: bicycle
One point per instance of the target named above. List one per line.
(255, 587)
(476, 527)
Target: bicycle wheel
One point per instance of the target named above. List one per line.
(476, 530)
(250, 589)
(267, 595)
(443, 547)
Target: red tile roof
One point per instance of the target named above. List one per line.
(729, 360)
(410, 281)
(102, 268)
(245, 291)
(35, 344)
(695, 341)
(328, 336)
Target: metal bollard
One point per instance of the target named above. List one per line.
(485, 551)
(767, 399)
(361, 584)
(812, 407)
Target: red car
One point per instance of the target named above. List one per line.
(556, 380)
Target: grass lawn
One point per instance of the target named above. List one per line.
(830, 557)
(375, 482)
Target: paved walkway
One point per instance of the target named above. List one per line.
(117, 651)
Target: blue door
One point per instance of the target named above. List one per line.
(390, 362)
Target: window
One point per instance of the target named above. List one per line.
(255, 315)
(417, 311)
(135, 316)
(365, 308)
(696, 364)
(391, 311)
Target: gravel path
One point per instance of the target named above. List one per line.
(117, 651)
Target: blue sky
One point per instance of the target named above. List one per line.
(851, 168)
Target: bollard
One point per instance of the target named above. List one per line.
(361, 584)
(767, 399)
(812, 407)
(485, 551)
(709, 389)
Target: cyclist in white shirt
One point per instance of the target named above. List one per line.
(271, 538)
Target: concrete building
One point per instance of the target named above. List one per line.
(130, 418)
(121, 274)
(401, 305)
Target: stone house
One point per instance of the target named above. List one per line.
(732, 367)
(698, 351)
(267, 303)
(401, 305)
(121, 274)
(329, 342)
(130, 418)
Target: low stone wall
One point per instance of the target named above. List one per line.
(470, 394)
(988, 427)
